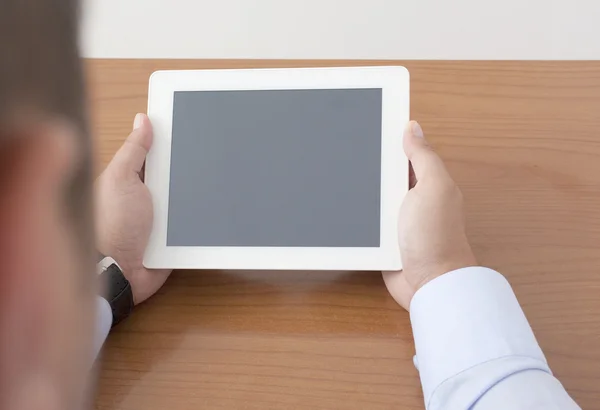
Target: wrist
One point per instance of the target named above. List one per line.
(116, 289)
(459, 259)
(130, 273)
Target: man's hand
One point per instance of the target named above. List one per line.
(431, 225)
(124, 212)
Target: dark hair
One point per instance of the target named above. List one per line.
(41, 72)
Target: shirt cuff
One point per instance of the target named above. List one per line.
(466, 318)
(103, 324)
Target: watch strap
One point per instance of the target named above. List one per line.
(117, 289)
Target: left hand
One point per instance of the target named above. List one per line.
(124, 212)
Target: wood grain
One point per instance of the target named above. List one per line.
(522, 139)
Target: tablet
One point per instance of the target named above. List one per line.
(298, 168)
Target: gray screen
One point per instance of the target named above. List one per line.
(276, 168)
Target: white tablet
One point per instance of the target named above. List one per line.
(298, 168)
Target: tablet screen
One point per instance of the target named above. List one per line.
(276, 168)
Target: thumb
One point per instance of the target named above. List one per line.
(132, 154)
(424, 160)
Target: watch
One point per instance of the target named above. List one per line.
(116, 289)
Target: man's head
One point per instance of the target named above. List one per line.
(46, 240)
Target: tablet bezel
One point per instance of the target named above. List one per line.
(394, 82)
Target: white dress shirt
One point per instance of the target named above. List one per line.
(475, 348)
(103, 323)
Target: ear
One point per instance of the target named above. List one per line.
(34, 165)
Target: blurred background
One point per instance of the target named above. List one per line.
(344, 29)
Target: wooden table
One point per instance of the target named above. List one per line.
(522, 139)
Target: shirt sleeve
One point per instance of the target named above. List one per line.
(473, 341)
(526, 390)
(103, 324)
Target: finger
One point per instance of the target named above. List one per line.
(424, 161)
(412, 179)
(398, 287)
(132, 154)
(142, 172)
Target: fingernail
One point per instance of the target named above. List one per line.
(416, 129)
(138, 121)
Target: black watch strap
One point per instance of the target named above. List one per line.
(116, 289)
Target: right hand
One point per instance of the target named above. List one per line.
(432, 234)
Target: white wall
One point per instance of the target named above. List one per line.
(362, 29)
